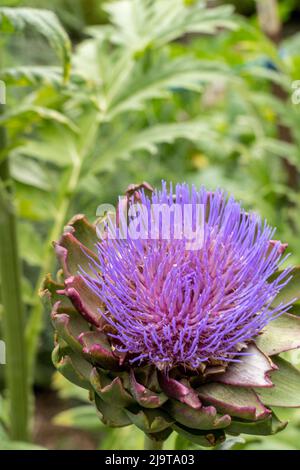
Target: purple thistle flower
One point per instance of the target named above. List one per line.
(170, 306)
(170, 335)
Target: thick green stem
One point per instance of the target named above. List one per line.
(13, 317)
(150, 444)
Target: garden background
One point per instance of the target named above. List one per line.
(101, 94)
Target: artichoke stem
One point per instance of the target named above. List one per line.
(151, 444)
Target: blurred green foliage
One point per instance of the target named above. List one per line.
(154, 93)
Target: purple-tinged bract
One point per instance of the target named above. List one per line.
(169, 306)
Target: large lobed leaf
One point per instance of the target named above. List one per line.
(25, 75)
(44, 22)
(286, 390)
(163, 76)
(126, 144)
(142, 23)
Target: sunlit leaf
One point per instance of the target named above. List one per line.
(44, 22)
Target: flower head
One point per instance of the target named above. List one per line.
(173, 336)
(169, 305)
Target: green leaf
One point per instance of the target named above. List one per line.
(150, 421)
(63, 145)
(81, 417)
(32, 75)
(45, 22)
(202, 438)
(54, 144)
(280, 335)
(110, 391)
(291, 291)
(97, 350)
(72, 254)
(84, 231)
(69, 326)
(30, 243)
(72, 367)
(237, 401)
(231, 443)
(148, 139)
(32, 112)
(265, 427)
(110, 415)
(34, 204)
(144, 396)
(202, 418)
(140, 24)
(164, 76)
(29, 172)
(84, 299)
(286, 390)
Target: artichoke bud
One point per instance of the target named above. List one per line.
(169, 339)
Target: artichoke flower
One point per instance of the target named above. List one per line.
(171, 339)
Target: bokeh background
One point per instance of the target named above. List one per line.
(202, 92)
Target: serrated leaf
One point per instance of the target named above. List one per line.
(111, 391)
(69, 326)
(30, 172)
(111, 416)
(32, 75)
(144, 396)
(164, 76)
(148, 139)
(140, 24)
(150, 421)
(72, 367)
(45, 22)
(32, 111)
(54, 144)
(203, 418)
(286, 390)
